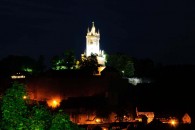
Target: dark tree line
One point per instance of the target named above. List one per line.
(127, 66)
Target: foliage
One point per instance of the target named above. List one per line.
(129, 68)
(75, 126)
(14, 109)
(17, 115)
(122, 63)
(40, 118)
(57, 63)
(69, 60)
(60, 121)
(40, 65)
(13, 63)
(89, 64)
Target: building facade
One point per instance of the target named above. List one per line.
(93, 45)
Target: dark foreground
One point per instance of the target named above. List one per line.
(139, 126)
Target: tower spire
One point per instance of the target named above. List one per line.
(93, 45)
(93, 28)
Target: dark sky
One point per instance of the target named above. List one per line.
(162, 30)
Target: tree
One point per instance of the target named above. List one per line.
(69, 59)
(14, 109)
(66, 61)
(40, 66)
(17, 113)
(57, 63)
(60, 121)
(89, 64)
(40, 118)
(13, 63)
(123, 63)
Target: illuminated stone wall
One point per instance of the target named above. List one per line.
(93, 45)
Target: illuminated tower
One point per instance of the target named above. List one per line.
(93, 45)
(92, 41)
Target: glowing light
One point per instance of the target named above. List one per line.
(24, 97)
(100, 69)
(17, 76)
(104, 128)
(98, 120)
(173, 122)
(54, 103)
(134, 81)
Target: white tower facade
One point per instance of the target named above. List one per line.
(93, 45)
(92, 41)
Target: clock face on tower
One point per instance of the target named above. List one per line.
(90, 41)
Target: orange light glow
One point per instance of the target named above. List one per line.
(98, 120)
(54, 103)
(173, 122)
(104, 128)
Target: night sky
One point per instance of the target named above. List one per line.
(161, 30)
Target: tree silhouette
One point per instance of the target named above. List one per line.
(40, 65)
(69, 59)
(89, 64)
(66, 61)
(13, 63)
(123, 63)
(57, 63)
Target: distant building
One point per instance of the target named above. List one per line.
(18, 75)
(186, 119)
(93, 45)
(149, 115)
(135, 81)
(83, 97)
